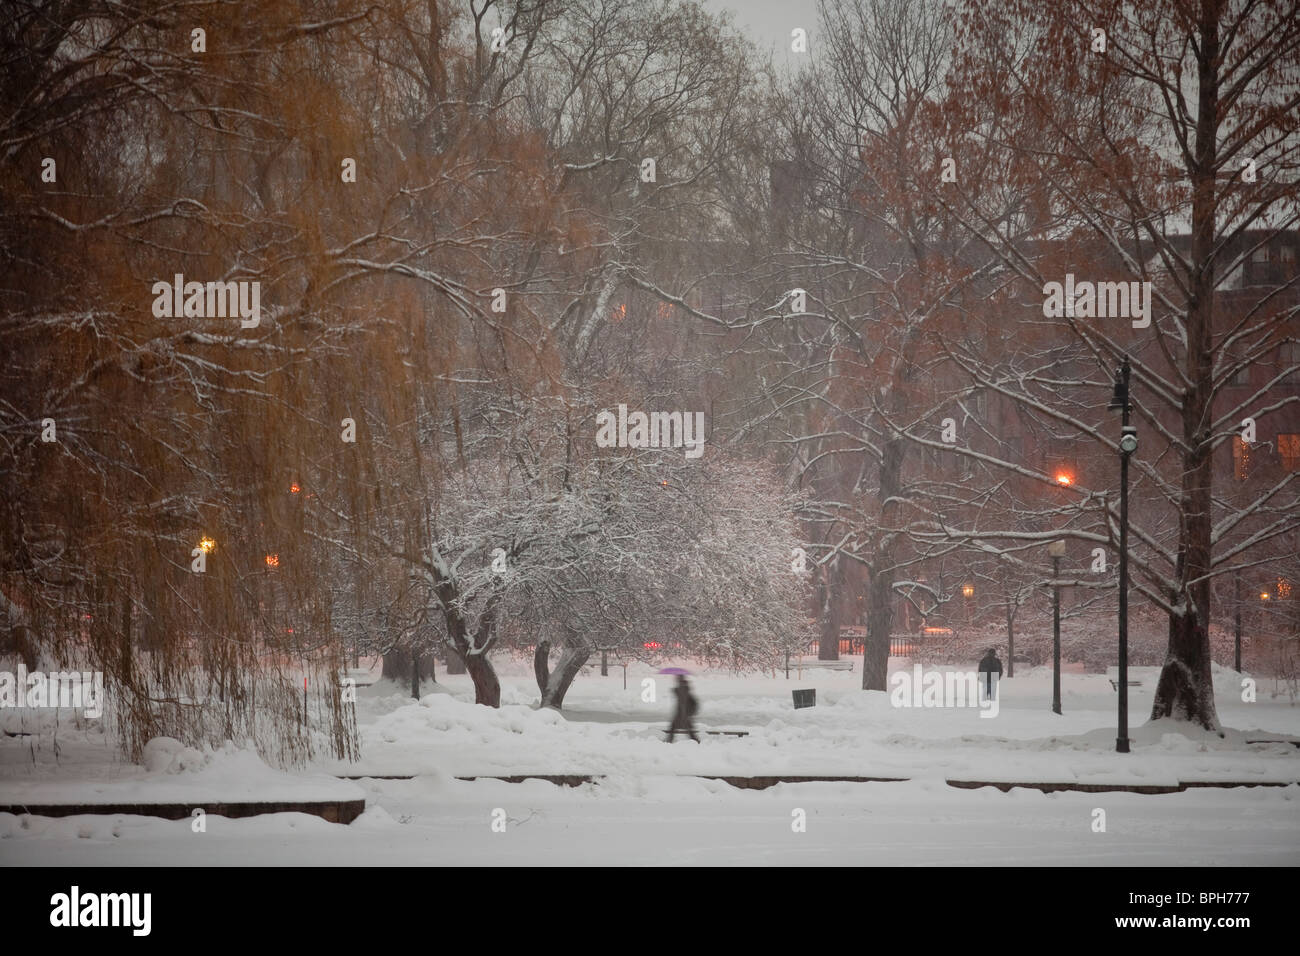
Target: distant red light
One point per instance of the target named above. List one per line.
(294, 489)
(652, 645)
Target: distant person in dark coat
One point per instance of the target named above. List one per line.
(684, 714)
(990, 665)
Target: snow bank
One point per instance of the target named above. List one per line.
(174, 773)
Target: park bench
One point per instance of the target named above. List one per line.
(1295, 742)
(827, 665)
(1114, 684)
(719, 733)
(802, 665)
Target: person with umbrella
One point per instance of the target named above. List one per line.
(684, 714)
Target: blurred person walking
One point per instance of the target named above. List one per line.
(684, 714)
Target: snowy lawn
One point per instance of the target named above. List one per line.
(647, 810)
(680, 821)
(605, 729)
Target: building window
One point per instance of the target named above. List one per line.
(1288, 449)
(1240, 458)
(1289, 357)
(1260, 254)
(1286, 253)
(1241, 376)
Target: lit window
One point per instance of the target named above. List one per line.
(1240, 458)
(1288, 449)
(1283, 588)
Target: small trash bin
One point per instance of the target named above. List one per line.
(805, 698)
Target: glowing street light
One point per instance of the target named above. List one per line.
(1064, 480)
(294, 489)
(207, 545)
(968, 590)
(272, 560)
(1264, 595)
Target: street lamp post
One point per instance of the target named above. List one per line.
(1236, 620)
(1057, 550)
(1127, 445)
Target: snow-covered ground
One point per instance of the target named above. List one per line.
(648, 809)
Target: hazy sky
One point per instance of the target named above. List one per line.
(769, 22)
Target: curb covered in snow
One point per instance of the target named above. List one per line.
(333, 811)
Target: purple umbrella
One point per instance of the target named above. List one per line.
(673, 670)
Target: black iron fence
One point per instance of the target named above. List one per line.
(900, 645)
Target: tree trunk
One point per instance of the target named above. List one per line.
(487, 689)
(1185, 690)
(880, 589)
(408, 667)
(455, 665)
(880, 622)
(560, 679)
(828, 641)
(541, 667)
(1011, 641)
